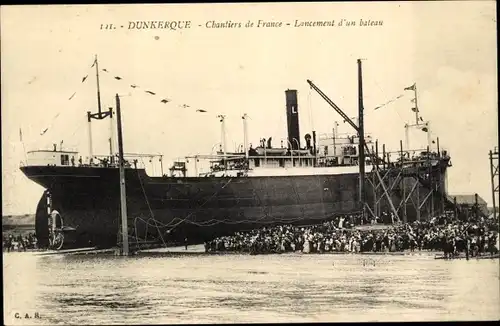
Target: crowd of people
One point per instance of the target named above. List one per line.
(18, 242)
(443, 233)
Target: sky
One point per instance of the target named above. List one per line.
(447, 48)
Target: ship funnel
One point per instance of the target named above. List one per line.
(292, 117)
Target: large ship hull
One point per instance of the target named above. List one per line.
(88, 199)
(173, 208)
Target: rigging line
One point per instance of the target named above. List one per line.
(147, 223)
(135, 228)
(385, 104)
(64, 133)
(199, 208)
(62, 111)
(309, 103)
(159, 232)
(132, 85)
(146, 231)
(76, 129)
(230, 222)
(210, 198)
(399, 115)
(383, 92)
(144, 191)
(164, 100)
(182, 220)
(377, 84)
(273, 221)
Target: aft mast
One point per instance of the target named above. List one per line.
(419, 121)
(100, 115)
(361, 135)
(123, 199)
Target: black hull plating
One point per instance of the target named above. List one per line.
(170, 209)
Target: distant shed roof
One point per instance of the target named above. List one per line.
(469, 199)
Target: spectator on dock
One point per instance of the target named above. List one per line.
(440, 234)
(13, 242)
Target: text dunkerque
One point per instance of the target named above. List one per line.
(228, 24)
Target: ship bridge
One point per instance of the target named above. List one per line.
(51, 158)
(69, 158)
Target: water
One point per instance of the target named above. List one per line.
(240, 288)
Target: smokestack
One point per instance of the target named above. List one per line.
(292, 117)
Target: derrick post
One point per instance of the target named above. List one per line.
(123, 201)
(494, 179)
(361, 135)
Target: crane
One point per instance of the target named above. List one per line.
(363, 148)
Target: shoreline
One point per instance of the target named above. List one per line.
(177, 253)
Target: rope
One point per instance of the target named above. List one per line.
(136, 88)
(214, 221)
(156, 222)
(52, 121)
(309, 103)
(210, 198)
(149, 207)
(231, 222)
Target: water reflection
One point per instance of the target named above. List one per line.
(233, 288)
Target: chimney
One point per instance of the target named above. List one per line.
(292, 117)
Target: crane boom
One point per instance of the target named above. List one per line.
(375, 159)
(333, 105)
(342, 114)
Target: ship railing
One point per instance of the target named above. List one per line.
(441, 151)
(108, 161)
(323, 161)
(217, 157)
(325, 136)
(414, 154)
(239, 156)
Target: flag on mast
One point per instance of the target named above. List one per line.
(410, 88)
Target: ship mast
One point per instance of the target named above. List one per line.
(223, 137)
(355, 127)
(98, 88)
(100, 115)
(245, 135)
(123, 199)
(361, 135)
(416, 103)
(425, 126)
